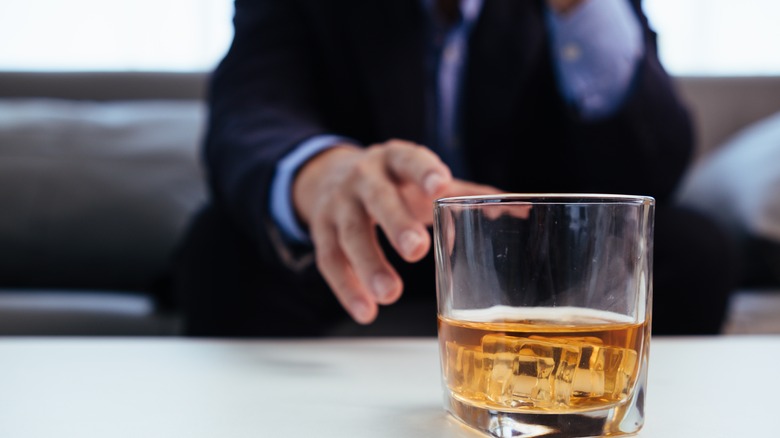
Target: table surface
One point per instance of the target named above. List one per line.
(173, 387)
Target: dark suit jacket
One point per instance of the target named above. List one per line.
(299, 68)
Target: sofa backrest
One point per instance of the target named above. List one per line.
(723, 106)
(95, 195)
(104, 86)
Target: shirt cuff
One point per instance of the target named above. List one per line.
(596, 49)
(281, 205)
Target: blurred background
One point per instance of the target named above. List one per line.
(697, 37)
(101, 114)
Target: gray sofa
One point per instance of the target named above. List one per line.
(99, 176)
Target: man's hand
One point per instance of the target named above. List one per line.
(344, 192)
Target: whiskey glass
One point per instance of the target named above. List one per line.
(544, 304)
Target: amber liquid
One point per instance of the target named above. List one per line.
(558, 360)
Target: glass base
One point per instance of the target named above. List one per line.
(620, 420)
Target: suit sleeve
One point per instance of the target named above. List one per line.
(262, 102)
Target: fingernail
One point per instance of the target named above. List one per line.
(410, 240)
(383, 286)
(432, 183)
(361, 312)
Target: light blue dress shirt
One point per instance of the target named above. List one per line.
(595, 48)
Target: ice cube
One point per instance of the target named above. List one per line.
(529, 372)
(619, 371)
(602, 372)
(465, 370)
(588, 378)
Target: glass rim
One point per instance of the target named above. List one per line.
(546, 198)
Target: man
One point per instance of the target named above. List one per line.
(322, 191)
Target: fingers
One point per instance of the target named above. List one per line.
(335, 269)
(350, 259)
(384, 204)
(358, 240)
(494, 211)
(401, 165)
(421, 205)
(343, 194)
(411, 163)
(460, 187)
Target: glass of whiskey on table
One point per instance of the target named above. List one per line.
(544, 305)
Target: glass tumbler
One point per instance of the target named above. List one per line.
(544, 304)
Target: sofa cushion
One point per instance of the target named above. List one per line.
(73, 313)
(95, 195)
(739, 185)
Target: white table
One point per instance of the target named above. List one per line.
(705, 387)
